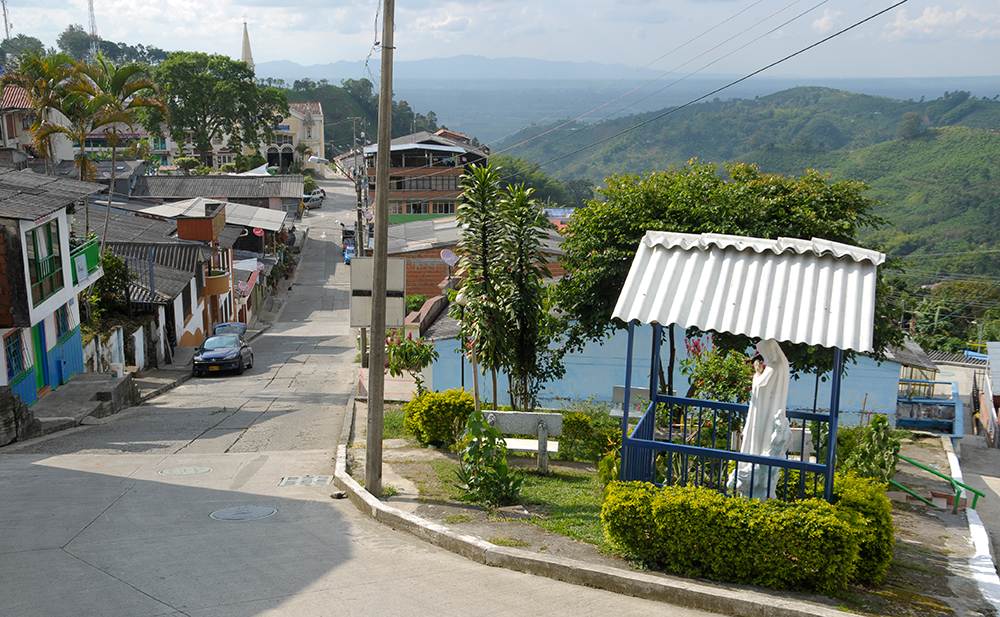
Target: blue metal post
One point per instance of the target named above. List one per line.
(831, 440)
(628, 386)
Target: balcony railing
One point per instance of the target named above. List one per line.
(91, 252)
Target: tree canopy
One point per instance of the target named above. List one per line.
(602, 238)
(16, 45)
(213, 97)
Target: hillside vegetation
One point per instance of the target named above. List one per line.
(939, 185)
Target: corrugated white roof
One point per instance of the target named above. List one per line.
(802, 291)
(236, 214)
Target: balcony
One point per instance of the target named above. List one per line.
(217, 283)
(86, 260)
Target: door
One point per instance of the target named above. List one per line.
(41, 355)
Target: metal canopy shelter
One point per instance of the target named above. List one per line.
(815, 292)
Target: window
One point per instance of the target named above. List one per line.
(418, 207)
(14, 354)
(62, 321)
(27, 120)
(443, 207)
(186, 301)
(282, 140)
(44, 261)
(396, 207)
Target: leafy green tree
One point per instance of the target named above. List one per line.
(601, 239)
(110, 292)
(362, 91)
(74, 41)
(214, 97)
(43, 77)
(187, 163)
(524, 301)
(13, 47)
(519, 171)
(910, 125)
(578, 192)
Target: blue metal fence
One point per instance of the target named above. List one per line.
(696, 444)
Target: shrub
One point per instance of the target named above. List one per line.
(408, 354)
(876, 453)
(698, 532)
(308, 184)
(866, 499)
(438, 417)
(414, 303)
(589, 432)
(482, 466)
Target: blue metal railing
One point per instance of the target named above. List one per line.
(953, 427)
(697, 444)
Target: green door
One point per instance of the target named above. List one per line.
(41, 362)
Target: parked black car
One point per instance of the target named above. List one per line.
(224, 352)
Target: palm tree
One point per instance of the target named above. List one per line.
(123, 90)
(44, 78)
(303, 150)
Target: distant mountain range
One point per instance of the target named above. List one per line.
(491, 98)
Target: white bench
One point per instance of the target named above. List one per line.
(529, 423)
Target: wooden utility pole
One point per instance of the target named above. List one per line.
(376, 374)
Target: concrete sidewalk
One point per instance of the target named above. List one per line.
(396, 389)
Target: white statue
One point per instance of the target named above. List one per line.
(766, 432)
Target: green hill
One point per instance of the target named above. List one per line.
(941, 188)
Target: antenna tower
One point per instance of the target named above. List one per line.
(93, 29)
(6, 21)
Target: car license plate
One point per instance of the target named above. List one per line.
(213, 368)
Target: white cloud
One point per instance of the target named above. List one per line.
(826, 23)
(933, 23)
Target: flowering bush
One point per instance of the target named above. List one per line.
(714, 375)
(408, 354)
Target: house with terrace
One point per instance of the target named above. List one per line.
(42, 269)
(425, 170)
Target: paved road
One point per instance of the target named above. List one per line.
(115, 519)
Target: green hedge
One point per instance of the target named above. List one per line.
(808, 545)
(438, 417)
(587, 437)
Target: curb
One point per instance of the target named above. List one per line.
(671, 590)
(981, 564)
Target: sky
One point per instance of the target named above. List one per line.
(718, 37)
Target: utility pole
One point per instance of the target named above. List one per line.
(376, 378)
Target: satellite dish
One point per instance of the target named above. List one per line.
(449, 257)
(106, 175)
(368, 215)
(257, 231)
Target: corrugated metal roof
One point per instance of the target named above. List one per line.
(176, 255)
(802, 291)
(29, 196)
(217, 187)
(445, 232)
(236, 214)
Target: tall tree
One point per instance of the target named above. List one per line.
(13, 47)
(74, 41)
(122, 90)
(215, 97)
(43, 77)
(529, 326)
(601, 239)
(479, 257)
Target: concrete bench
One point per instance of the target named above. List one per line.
(524, 423)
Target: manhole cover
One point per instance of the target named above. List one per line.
(243, 513)
(184, 471)
(306, 481)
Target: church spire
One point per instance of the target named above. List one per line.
(247, 55)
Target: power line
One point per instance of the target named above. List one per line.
(729, 85)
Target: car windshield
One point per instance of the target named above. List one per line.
(221, 342)
(230, 328)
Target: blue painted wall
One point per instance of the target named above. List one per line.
(24, 386)
(598, 368)
(65, 359)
